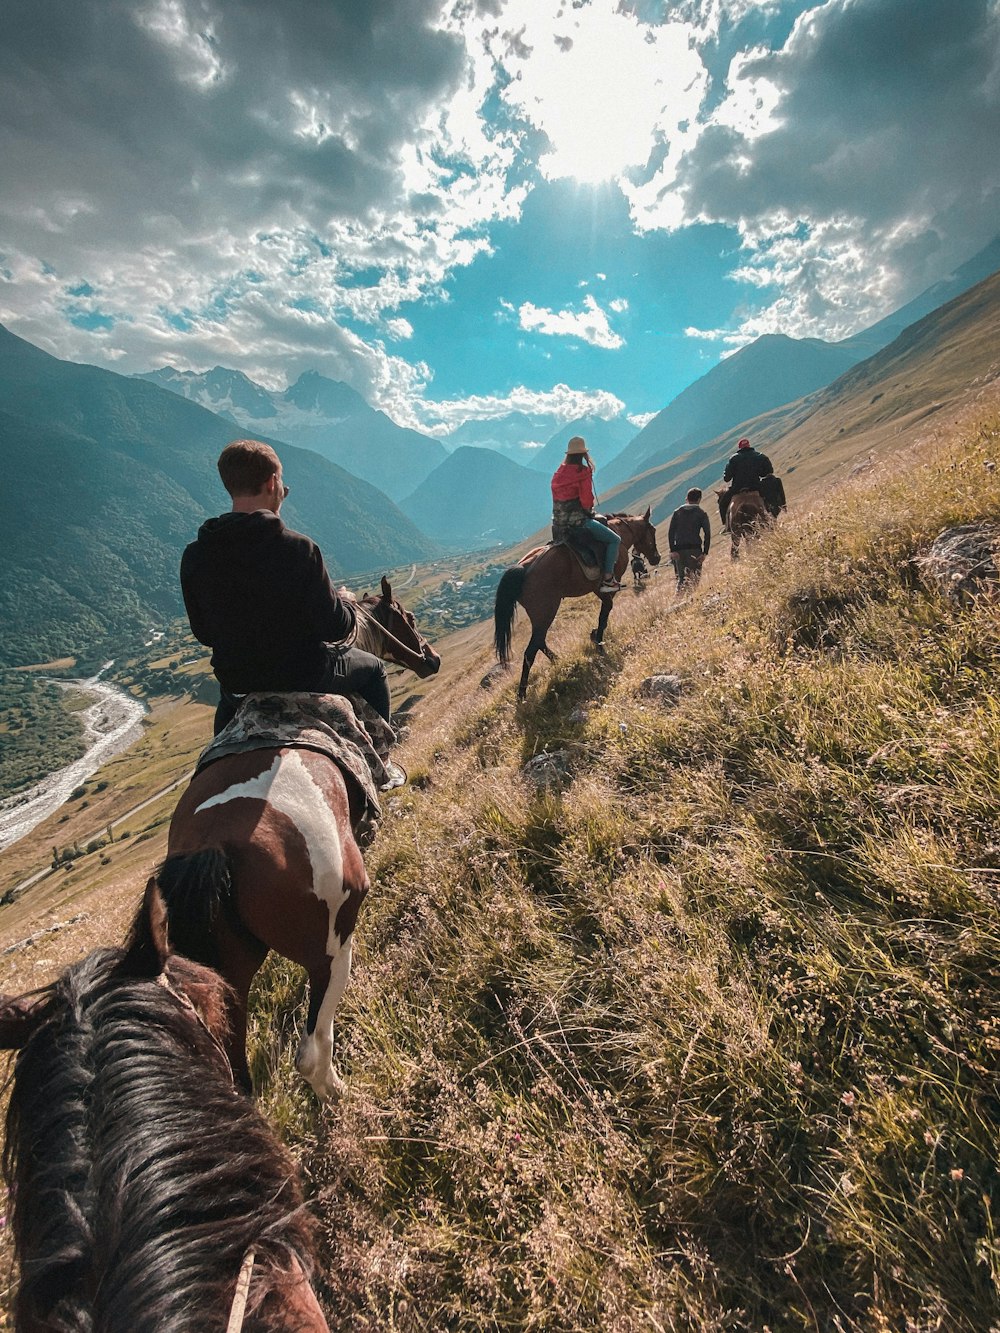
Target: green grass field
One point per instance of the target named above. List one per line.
(708, 1038)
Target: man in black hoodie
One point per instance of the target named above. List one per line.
(689, 537)
(260, 597)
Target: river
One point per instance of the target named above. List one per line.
(111, 723)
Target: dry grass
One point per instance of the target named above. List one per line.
(707, 1040)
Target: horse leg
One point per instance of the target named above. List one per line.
(536, 645)
(240, 957)
(328, 978)
(597, 635)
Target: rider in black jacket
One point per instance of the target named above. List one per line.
(746, 468)
(259, 595)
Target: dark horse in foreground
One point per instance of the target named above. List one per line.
(262, 854)
(548, 574)
(147, 1195)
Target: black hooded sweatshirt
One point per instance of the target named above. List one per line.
(259, 596)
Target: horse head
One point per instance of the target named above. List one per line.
(400, 640)
(644, 536)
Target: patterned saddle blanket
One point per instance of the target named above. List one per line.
(346, 730)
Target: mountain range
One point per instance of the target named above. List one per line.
(772, 370)
(108, 477)
(316, 413)
(479, 498)
(933, 368)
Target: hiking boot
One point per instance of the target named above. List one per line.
(610, 585)
(396, 776)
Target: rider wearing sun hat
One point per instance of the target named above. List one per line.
(573, 507)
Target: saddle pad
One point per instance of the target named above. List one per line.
(355, 738)
(585, 560)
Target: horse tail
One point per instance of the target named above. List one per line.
(508, 592)
(196, 887)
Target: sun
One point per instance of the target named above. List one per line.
(602, 86)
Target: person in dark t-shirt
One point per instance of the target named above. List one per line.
(259, 595)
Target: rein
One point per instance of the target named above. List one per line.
(238, 1309)
(390, 637)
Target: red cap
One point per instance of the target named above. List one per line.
(743, 444)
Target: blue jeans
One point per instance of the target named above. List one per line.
(608, 539)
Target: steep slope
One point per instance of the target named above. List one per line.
(113, 477)
(776, 370)
(771, 371)
(478, 498)
(932, 369)
(315, 413)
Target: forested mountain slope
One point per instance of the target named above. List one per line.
(108, 479)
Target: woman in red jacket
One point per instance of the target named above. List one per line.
(573, 507)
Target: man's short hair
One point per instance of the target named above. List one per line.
(694, 495)
(246, 466)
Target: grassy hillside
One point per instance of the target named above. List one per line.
(911, 390)
(708, 1038)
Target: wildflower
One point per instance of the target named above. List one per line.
(847, 1101)
(956, 1173)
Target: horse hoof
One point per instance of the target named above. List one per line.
(598, 647)
(327, 1085)
(319, 1073)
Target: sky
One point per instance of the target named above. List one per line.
(467, 207)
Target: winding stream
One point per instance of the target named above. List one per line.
(111, 723)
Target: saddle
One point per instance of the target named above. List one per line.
(346, 730)
(586, 556)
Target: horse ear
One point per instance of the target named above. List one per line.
(386, 589)
(20, 1015)
(147, 947)
(649, 510)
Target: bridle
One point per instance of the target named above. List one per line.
(627, 522)
(391, 638)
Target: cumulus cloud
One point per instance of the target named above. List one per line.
(560, 402)
(228, 177)
(590, 324)
(856, 160)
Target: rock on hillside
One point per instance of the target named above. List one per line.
(478, 498)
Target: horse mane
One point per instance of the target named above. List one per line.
(138, 1177)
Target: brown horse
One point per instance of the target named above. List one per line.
(747, 517)
(548, 574)
(145, 1193)
(262, 854)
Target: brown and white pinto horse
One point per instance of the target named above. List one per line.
(548, 574)
(262, 855)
